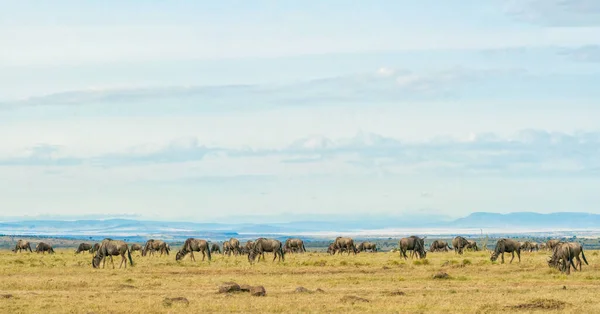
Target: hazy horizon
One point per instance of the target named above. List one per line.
(205, 110)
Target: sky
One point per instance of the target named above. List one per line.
(224, 110)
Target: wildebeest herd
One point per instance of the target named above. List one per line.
(563, 254)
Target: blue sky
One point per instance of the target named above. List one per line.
(203, 110)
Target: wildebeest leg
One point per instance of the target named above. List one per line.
(502, 258)
(274, 255)
(519, 256)
(192, 255)
(578, 263)
(513, 257)
(203, 255)
(112, 261)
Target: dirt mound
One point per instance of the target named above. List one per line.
(541, 304)
(229, 287)
(258, 291)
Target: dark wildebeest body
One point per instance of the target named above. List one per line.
(155, 245)
(459, 243)
(506, 246)
(414, 244)
(294, 245)
(562, 257)
(43, 248)
(472, 245)
(84, 247)
(214, 248)
(343, 243)
(192, 245)
(22, 245)
(234, 245)
(565, 253)
(110, 248)
(262, 245)
(439, 246)
(367, 246)
(136, 247)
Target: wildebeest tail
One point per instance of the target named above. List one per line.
(208, 249)
(129, 256)
(583, 255)
(167, 249)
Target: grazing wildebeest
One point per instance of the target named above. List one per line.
(543, 246)
(506, 246)
(95, 248)
(367, 246)
(43, 248)
(214, 248)
(459, 243)
(235, 246)
(110, 248)
(294, 245)
(562, 257)
(226, 248)
(414, 244)
(331, 248)
(262, 245)
(343, 243)
(574, 249)
(155, 245)
(533, 246)
(136, 247)
(84, 247)
(192, 245)
(22, 245)
(439, 246)
(472, 245)
(551, 243)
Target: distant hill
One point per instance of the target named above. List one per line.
(130, 228)
(528, 220)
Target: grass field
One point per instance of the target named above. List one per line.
(66, 283)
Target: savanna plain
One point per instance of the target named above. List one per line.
(368, 282)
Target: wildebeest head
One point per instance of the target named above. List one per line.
(252, 256)
(494, 256)
(96, 261)
(179, 255)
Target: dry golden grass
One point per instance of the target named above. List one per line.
(66, 283)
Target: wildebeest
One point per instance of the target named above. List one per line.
(577, 249)
(155, 245)
(533, 246)
(294, 245)
(344, 243)
(84, 247)
(439, 246)
(233, 247)
(136, 247)
(43, 248)
(331, 248)
(22, 245)
(414, 244)
(562, 257)
(551, 243)
(262, 245)
(472, 245)
(192, 245)
(543, 246)
(506, 246)
(214, 248)
(460, 243)
(367, 246)
(95, 248)
(110, 248)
